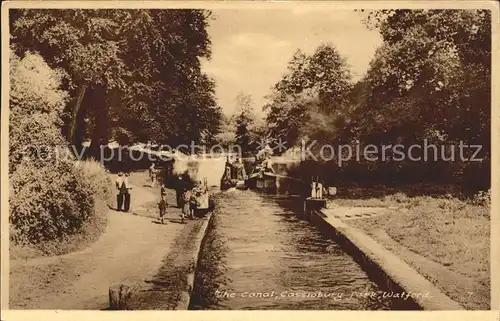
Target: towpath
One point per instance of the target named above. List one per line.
(132, 249)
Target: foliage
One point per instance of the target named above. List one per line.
(97, 178)
(51, 199)
(320, 82)
(55, 201)
(135, 69)
(243, 128)
(51, 202)
(243, 119)
(433, 71)
(227, 135)
(428, 81)
(482, 198)
(36, 103)
(44, 94)
(123, 136)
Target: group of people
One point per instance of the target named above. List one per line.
(190, 201)
(123, 188)
(263, 160)
(187, 200)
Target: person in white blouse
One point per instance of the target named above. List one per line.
(123, 188)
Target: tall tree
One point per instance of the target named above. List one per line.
(433, 68)
(319, 83)
(430, 80)
(243, 120)
(132, 69)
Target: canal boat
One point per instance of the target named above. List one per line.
(264, 181)
(262, 177)
(234, 176)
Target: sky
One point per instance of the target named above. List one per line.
(251, 48)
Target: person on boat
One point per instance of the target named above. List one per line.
(241, 175)
(266, 165)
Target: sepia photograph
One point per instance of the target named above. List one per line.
(255, 157)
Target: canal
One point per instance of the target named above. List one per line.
(259, 254)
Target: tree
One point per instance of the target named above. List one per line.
(441, 57)
(429, 80)
(227, 135)
(319, 83)
(82, 42)
(243, 120)
(51, 198)
(134, 69)
(36, 103)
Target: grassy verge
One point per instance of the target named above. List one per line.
(64, 202)
(211, 272)
(452, 236)
(89, 234)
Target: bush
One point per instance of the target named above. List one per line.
(55, 204)
(55, 201)
(35, 138)
(482, 198)
(98, 179)
(49, 203)
(36, 102)
(35, 87)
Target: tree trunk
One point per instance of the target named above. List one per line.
(100, 110)
(74, 114)
(79, 134)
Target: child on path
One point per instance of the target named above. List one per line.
(192, 205)
(162, 205)
(163, 190)
(193, 200)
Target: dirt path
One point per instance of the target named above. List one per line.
(131, 250)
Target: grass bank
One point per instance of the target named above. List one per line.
(445, 238)
(211, 274)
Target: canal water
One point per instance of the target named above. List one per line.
(259, 254)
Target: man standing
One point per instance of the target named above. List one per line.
(179, 190)
(119, 191)
(126, 187)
